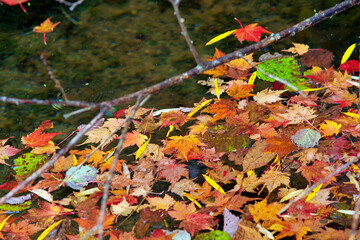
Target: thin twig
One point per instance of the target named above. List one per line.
(105, 196)
(62, 152)
(184, 32)
(72, 5)
(52, 76)
(308, 190)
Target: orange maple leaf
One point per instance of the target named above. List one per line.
(45, 27)
(240, 91)
(329, 128)
(223, 108)
(220, 70)
(251, 32)
(38, 138)
(184, 145)
(291, 227)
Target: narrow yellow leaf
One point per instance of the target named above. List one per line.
(353, 115)
(198, 107)
(48, 230)
(171, 128)
(192, 199)
(142, 148)
(214, 184)
(252, 78)
(312, 89)
(347, 53)
(216, 88)
(291, 195)
(75, 160)
(4, 221)
(220, 37)
(313, 193)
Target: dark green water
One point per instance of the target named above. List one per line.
(119, 47)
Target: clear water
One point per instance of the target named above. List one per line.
(105, 49)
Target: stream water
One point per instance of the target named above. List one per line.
(105, 49)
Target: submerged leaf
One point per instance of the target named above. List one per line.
(80, 178)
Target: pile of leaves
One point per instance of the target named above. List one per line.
(228, 166)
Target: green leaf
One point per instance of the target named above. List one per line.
(285, 68)
(214, 235)
(80, 178)
(28, 163)
(306, 138)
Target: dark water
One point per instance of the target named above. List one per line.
(105, 49)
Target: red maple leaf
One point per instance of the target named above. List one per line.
(350, 66)
(251, 32)
(38, 138)
(302, 209)
(15, 2)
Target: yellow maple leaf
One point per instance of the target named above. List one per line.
(266, 212)
(299, 49)
(161, 203)
(329, 128)
(240, 63)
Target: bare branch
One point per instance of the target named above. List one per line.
(72, 5)
(51, 74)
(184, 32)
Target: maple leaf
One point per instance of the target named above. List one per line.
(45, 27)
(251, 32)
(257, 156)
(190, 220)
(291, 227)
(134, 138)
(161, 203)
(265, 212)
(46, 213)
(281, 145)
(6, 151)
(22, 230)
(329, 128)
(38, 138)
(91, 221)
(273, 179)
(350, 66)
(238, 91)
(297, 114)
(172, 172)
(302, 209)
(220, 70)
(223, 108)
(175, 118)
(266, 96)
(51, 181)
(241, 64)
(298, 49)
(316, 172)
(184, 145)
(15, 2)
(95, 158)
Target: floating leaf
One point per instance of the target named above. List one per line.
(214, 184)
(220, 37)
(283, 68)
(347, 53)
(48, 230)
(306, 138)
(28, 163)
(80, 178)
